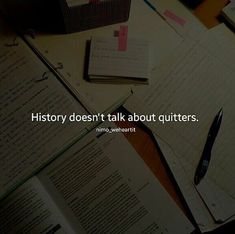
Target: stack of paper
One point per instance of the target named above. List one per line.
(108, 64)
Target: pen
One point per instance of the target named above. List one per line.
(206, 154)
(154, 8)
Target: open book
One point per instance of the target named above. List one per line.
(95, 187)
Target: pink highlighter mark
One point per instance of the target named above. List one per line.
(122, 38)
(174, 17)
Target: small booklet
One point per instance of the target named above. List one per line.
(107, 64)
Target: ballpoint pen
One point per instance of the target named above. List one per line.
(206, 154)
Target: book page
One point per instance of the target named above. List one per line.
(200, 82)
(28, 88)
(29, 209)
(109, 189)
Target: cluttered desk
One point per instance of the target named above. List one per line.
(155, 60)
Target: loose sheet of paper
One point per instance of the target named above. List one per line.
(200, 82)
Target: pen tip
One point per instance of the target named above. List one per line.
(220, 113)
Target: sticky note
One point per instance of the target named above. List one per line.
(171, 15)
(122, 38)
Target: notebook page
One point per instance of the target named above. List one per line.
(107, 60)
(216, 199)
(193, 199)
(201, 77)
(218, 188)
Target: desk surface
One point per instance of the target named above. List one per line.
(207, 12)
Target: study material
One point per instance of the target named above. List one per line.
(109, 64)
(203, 164)
(70, 50)
(28, 88)
(202, 67)
(96, 186)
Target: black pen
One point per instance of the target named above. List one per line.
(206, 154)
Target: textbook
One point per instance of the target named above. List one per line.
(94, 187)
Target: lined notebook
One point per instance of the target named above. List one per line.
(107, 64)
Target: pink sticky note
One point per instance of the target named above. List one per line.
(122, 38)
(171, 15)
